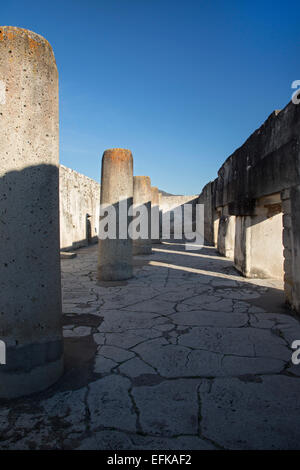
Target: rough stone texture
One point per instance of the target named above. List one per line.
(115, 254)
(171, 210)
(292, 247)
(252, 413)
(187, 354)
(258, 240)
(255, 185)
(266, 163)
(142, 197)
(226, 236)
(207, 197)
(79, 198)
(30, 308)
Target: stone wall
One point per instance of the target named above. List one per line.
(252, 207)
(79, 197)
(171, 208)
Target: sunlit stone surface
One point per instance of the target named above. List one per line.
(187, 354)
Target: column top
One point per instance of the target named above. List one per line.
(12, 32)
(117, 154)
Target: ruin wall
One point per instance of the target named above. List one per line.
(79, 197)
(251, 208)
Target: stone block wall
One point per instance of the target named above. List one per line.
(79, 198)
(207, 197)
(80, 195)
(173, 207)
(258, 249)
(252, 209)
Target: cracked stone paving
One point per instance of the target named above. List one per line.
(186, 355)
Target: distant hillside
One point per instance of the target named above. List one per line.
(167, 194)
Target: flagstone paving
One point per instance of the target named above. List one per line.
(186, 355)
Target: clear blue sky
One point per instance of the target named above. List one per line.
(182, 83)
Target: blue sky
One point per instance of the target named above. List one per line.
(181, 83)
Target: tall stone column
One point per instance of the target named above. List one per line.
(115, 251)
(155, 216)
(30, 300)
(142, 204)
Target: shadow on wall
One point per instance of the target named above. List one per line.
(88, 229)
(88, 239)
(73, 222)
(259, 246)
(173, 215)
(79, 209)
(254, 240)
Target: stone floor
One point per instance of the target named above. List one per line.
(186, 355)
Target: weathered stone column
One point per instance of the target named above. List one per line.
(160, 198)
(115, 254)
(30, 300)
(155, 215)
(142, 201)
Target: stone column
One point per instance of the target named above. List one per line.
(115, 254)
(30, 300)
(155, 215)
(142, 201)
(160, 199)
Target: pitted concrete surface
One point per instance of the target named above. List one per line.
(186, 355)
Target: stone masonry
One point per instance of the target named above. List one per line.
(252, 208)
(194, 349)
